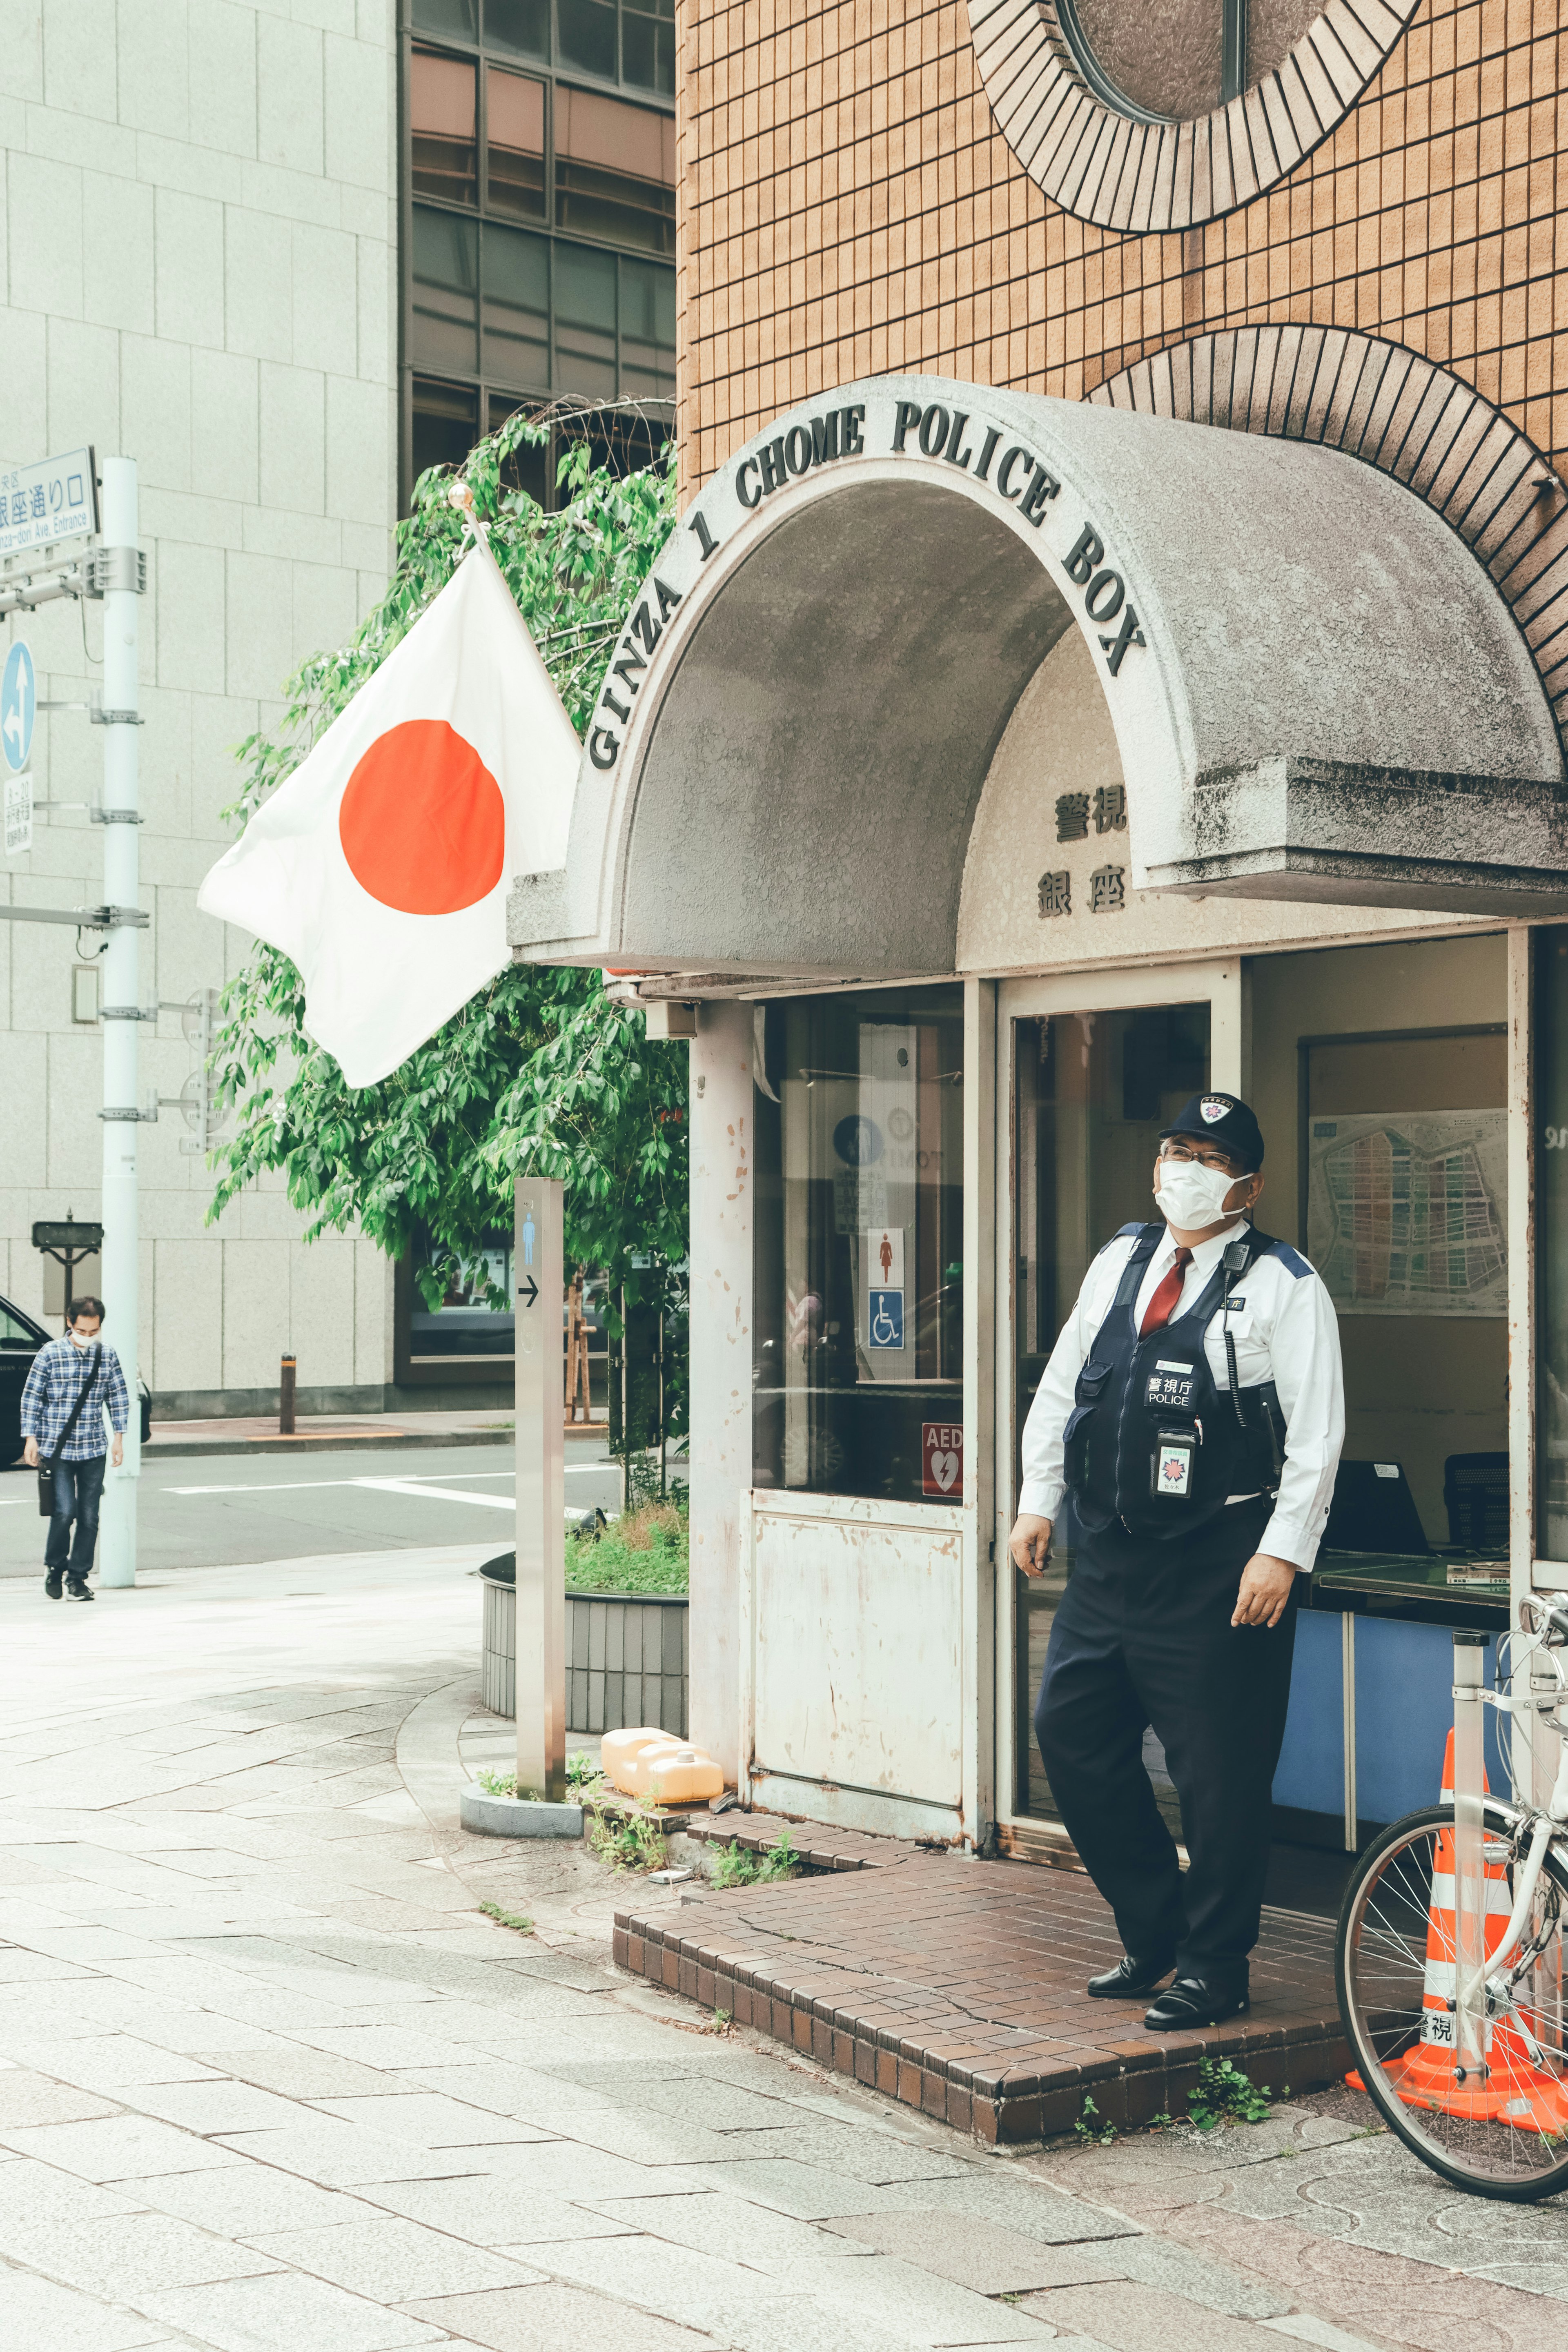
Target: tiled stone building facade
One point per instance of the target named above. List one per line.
(851, 207)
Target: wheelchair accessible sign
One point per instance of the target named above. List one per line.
(885, 1320)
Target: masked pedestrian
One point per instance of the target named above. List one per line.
(75, 1395)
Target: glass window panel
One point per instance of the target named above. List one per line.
(442, 112)
(455, 20)
(587, 32)
(466, 1323)
(446, 423)
(517, 307)
(647, 46)
(585, 320)
(1093, 1090)
(521, 27)
(614, 170)
(445, 291)
(515, 130)
(860, 1274)
(648, 332)
(528, 467)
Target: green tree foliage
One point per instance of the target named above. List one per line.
(539, 1073)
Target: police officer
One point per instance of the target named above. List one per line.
(1193, 1407)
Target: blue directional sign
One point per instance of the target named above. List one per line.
(885, 1320)
(18, 705)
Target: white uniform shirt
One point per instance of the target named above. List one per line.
(1285, 1331)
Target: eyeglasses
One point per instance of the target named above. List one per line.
(1207, 1155)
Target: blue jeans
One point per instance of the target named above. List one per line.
(78, 1489)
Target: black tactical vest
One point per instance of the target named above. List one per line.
(1150, 1440)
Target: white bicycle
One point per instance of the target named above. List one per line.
(1450, 1958)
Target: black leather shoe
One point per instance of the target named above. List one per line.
(52, 1582)
(1191, 2002)
(1129, 1980)
(76, 1589)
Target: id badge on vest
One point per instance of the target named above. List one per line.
(1170, 1386)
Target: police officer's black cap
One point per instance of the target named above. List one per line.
(1223, 1119)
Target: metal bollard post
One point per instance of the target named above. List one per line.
(1469, 1881)
(286, 1397)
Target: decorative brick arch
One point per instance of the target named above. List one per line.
(1409, 418)
(1139, 175)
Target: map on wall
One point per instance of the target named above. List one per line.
(1406, 1213)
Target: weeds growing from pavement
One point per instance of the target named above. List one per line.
(626, 1837)
(1090, 2128)
(734, 1866)
(1225, 2094)
(507, 1919)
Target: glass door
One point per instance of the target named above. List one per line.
(1096, 1066)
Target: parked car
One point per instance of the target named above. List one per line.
(20, 1339)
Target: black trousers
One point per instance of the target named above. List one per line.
(78, 1490)
(1144, 1636)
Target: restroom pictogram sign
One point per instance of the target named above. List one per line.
(942, 1459)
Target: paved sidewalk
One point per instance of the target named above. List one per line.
(271, 2081)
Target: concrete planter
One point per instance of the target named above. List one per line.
(516, 1817)
(627, 1655)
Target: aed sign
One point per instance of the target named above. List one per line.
(942, 1459)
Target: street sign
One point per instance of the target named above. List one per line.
(68, 1233)
(56, 500)
(18, 705)
(19, 814)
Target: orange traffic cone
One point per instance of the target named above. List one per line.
(1516, 2088)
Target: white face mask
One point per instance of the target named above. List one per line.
(1191, 1195)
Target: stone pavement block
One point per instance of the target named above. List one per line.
(809, 2191)
(1154, 2261)
(929, 2310)
(337, 2155)
(112, 2062)
(547, 2318)
(503, 2089)
(490, 2210)
(645, 2138)
(1133, 2318)
(129, 2253)
(33, 2191)
(246, 2204)
(30, 2098)
(36, 2312)
(295, 2071)
(859, 2153)
(33, 1966)
(208, 2107)
(120, 2148)
(285, 2313)
(429, 2119)
(389, 2047)
(1304, 2329)
(395, 2261)
(802, 2324)
(994, 2194)
(712, 2222)
(980, 2254)
(701, 2290)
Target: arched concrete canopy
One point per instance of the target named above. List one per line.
(1316, 691)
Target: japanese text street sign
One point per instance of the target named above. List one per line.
(19, 814)
(56, 500)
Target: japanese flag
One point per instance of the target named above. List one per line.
(381, 867)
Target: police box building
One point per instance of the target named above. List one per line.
(997, 767)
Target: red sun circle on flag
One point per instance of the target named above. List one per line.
(422, 821)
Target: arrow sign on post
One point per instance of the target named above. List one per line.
(529, 1291)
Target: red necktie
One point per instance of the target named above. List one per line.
(1163, 1306)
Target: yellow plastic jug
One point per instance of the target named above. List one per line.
(640, 1762)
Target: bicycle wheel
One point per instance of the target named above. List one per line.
(1504, 2134)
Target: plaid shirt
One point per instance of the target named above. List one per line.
(53, 1385)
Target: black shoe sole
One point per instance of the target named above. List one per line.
(1220, 2014)
(83, 1595)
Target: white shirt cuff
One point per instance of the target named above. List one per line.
(1041, 1497)
(1287, 1539)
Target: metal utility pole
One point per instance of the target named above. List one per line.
(538, 1278)
(121, 1011)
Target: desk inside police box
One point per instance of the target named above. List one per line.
(1372, 1703)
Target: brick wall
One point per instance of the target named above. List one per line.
(850, 208)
